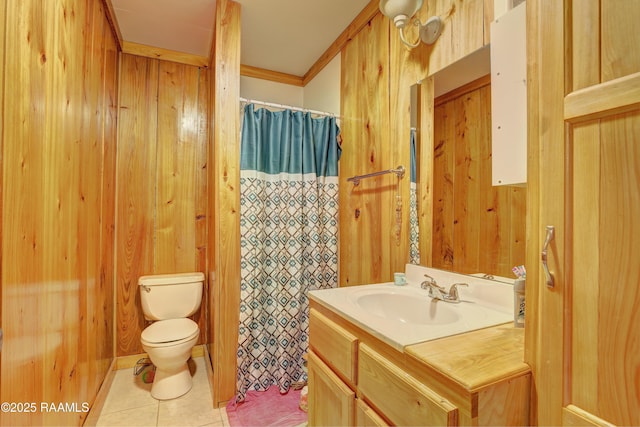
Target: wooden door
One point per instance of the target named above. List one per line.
(584, 63)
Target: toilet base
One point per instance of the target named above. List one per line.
(171, 384)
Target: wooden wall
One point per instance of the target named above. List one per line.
(366, 210)
(465, 30)
(58, 177)
(476, 227)
(377, 72)
(162, 184)
(224, 203)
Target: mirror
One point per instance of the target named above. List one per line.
(471, 227)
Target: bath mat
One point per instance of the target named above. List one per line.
(267, 408)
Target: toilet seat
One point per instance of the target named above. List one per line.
(165, 333)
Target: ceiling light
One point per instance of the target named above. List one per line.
(402, 11)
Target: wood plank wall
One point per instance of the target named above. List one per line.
(224, 203)
(59, 109)
(162, 187)
(366, 211)
(3, 13)
(476, 227)
(377, 72)
(465, 30)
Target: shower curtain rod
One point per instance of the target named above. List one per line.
(288, 107)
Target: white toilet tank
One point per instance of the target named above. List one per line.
(170, 296)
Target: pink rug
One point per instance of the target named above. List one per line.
(267, 408)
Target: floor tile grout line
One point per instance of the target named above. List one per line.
(217, 417)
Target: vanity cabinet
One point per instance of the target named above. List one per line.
(355, 378)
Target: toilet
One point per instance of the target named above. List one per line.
(168, 300)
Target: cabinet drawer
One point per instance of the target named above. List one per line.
(334, 344)
(398, 395)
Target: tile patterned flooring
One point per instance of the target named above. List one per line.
(129, 403)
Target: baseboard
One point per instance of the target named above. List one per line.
(209, 365)
(94, 413)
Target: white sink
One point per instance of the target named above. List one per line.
(405, 315)
(404, 306)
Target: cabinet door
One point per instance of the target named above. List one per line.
(367, 417)
(331, 402)
(586, 109)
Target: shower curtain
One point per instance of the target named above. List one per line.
(414, 235)
(289, 239)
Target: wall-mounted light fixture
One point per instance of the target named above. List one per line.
(402, 11)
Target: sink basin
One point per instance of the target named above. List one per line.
(405, 315)
(401, 307)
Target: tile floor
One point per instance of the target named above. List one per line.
(129, 403)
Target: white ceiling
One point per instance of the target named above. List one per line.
(180, 25)
(279, 35)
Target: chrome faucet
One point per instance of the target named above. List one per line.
(437, 292)
(454, 296)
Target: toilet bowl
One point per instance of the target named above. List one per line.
(168, 300)
(168, 344)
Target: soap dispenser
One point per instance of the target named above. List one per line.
(518, 302)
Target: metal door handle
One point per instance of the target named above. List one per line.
(543, 256)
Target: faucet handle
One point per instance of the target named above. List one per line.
(430, 283)
(453, 291)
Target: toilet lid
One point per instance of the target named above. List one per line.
(169, 330)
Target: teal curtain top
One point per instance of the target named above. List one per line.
(289, 141)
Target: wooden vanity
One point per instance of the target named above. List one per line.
(355, 378)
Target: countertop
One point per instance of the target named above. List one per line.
(475, 359)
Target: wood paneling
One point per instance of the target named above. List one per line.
(367, 235)
(161, 187)
(406, 68)
(425, 152)
(476, 227)
(136, 171)
(224, 205)
(115, 28)
(57, 219)
(465, 30)
(443, 172)
(3, 13)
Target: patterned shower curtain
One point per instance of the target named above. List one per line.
(414, 235)
(289, 239)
